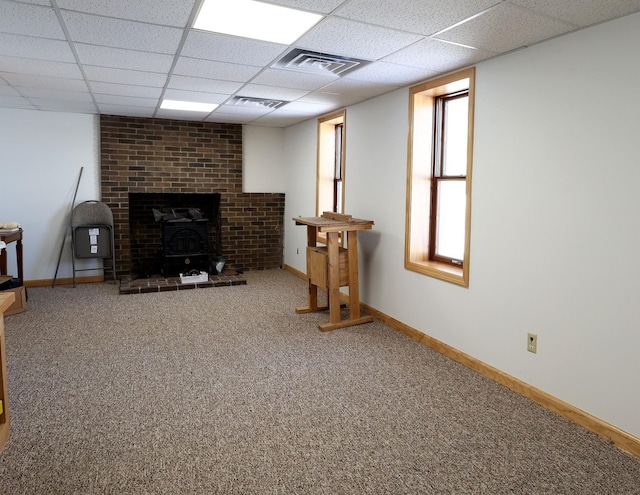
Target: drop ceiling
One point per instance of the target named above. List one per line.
(123, 57)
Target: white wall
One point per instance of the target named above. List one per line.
(555, 226)
(263, 169)
(41, 157)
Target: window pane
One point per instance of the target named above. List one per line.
(455, 132)
(450, 226)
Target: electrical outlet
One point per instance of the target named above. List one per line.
(532, 342)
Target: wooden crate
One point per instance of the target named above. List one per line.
(318, 266)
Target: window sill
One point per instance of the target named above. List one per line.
(442, 271)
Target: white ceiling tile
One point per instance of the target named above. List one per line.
(321, 6)
(272, 120)
(233, 49)
(306, 108)
(29, 20)
(38, 2)
(105, 56)
(388, 73)
(338, 36)
(176, 94)
(438, 56)
(118, 33)
(244, 111)
(188, 83)
(15, 45)
(125, 90)
(40, 67)
(504, 28)
(293, 79)
(12, 101)
(362, 89)
(45, 82)
(225, 118)
(131, 51)
(63, 105)
(120, 76)
(6, 90)
(125, 110)
(272, 92)
(582, 12)
(338, 100)
(165, 12)
(417, 16)
(59, 94)
(215, 70)
(130, 101)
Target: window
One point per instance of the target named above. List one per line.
(331, 165)
(439, 177)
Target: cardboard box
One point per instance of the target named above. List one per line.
(194, 279)
(20, 304)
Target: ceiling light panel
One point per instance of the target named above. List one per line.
(256, 20)
(188, 106)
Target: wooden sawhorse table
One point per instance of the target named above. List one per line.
(332, 267)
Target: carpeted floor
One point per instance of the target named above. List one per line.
(228, 391)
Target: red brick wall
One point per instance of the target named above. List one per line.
(140, 155)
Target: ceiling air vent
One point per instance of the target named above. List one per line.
(319, 63)
(248, 101)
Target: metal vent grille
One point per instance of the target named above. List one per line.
(319, 63)
(248, 101)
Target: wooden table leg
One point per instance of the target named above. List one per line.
(354, 287)
(3, 261)
(19, 259)
(312, 305)
(333, 290)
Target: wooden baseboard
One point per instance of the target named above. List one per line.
(63, 281)
(625, 441)
(295, 271)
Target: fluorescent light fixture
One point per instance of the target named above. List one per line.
(256, 20)
(189, 106)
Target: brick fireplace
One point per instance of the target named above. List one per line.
(165, 157)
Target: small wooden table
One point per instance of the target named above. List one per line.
(6, 299)
(8, 238)
(333, 267)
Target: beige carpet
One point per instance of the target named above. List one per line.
(228, 391)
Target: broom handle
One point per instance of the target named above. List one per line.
(64, 238)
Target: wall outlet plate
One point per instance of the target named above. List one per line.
(532, 342)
